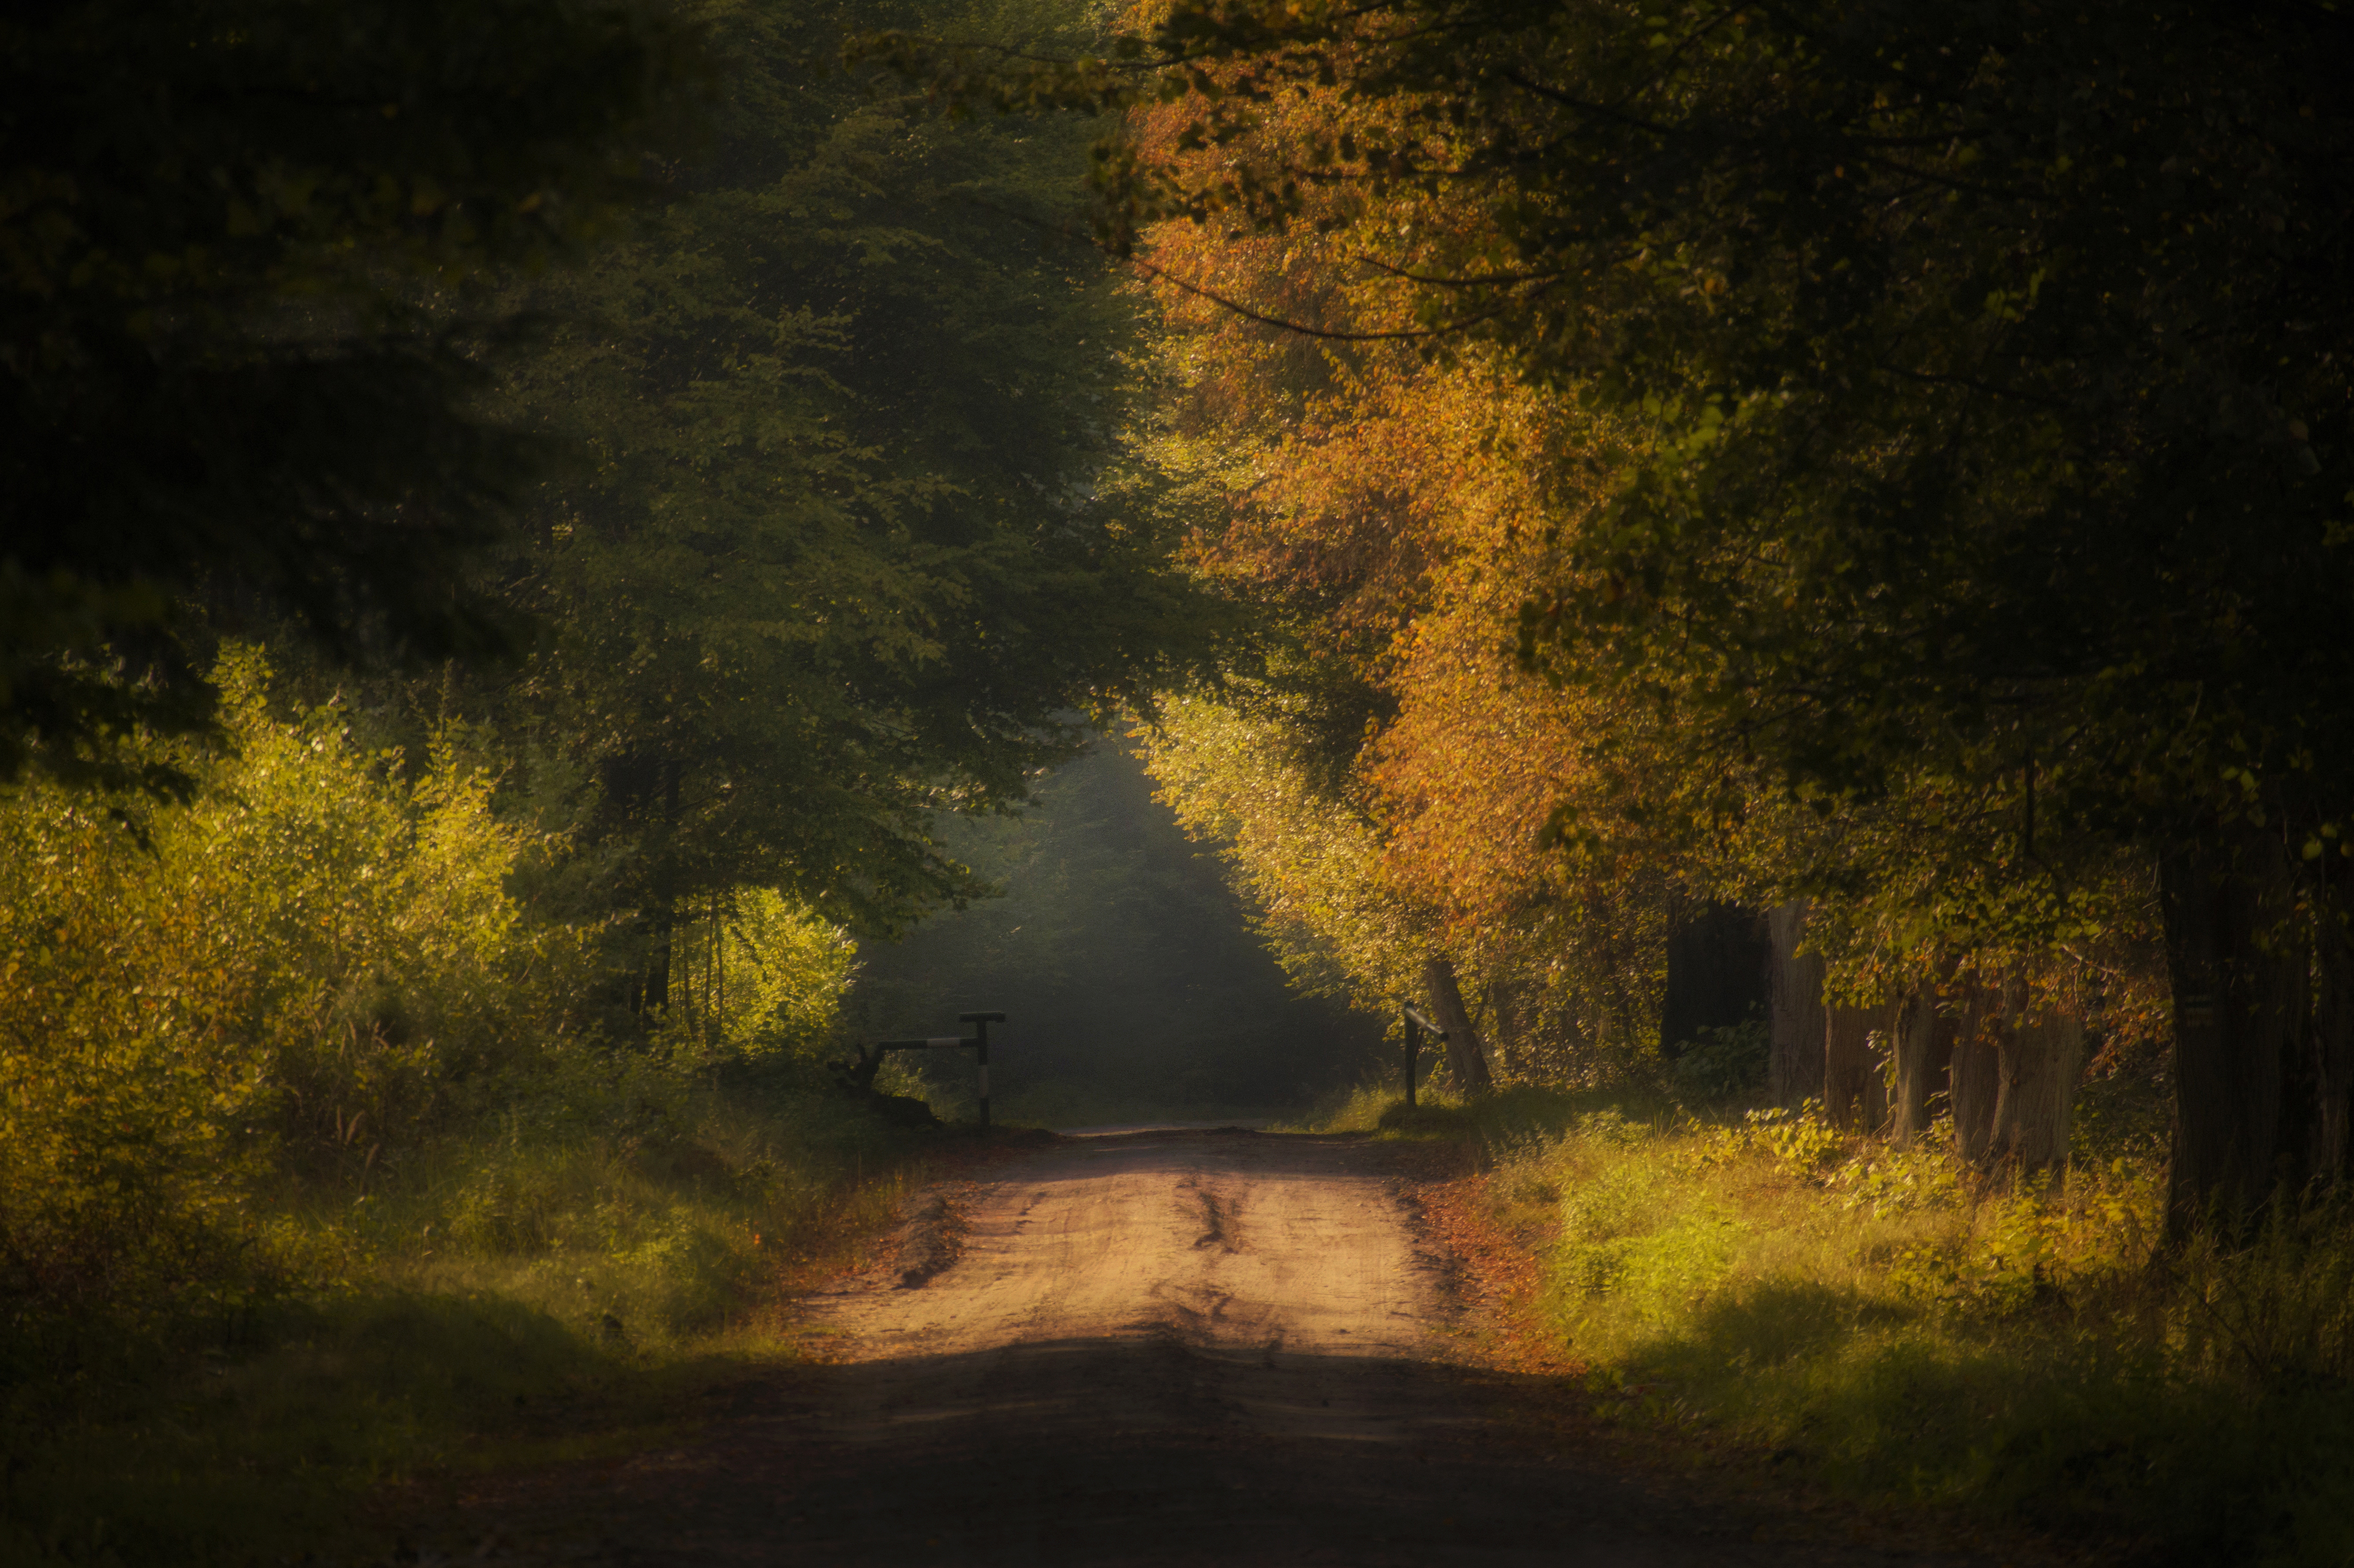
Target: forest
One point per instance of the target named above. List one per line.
(566, 567)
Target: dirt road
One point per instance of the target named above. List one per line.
(1160, 1348)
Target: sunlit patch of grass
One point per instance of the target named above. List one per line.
(1501, 1122)
(1903, 1328)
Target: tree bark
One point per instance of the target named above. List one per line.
(1509, 1023)
(1465, 1058)
(1974, 1078)
(2333, 1047)
(1795, 1070)
(2239, 988)
(2039, 1056)
(1855, 1090)
(1720, 964)
(1925, 1050)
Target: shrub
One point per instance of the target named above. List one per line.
(1723, 1063)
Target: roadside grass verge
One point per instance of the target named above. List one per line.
(535, 1295)
(1905, 1331)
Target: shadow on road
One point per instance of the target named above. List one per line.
(1137, 1450)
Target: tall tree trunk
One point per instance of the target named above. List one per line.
(2040, 1055)
(1719, 966)
(1465, 1058)
(658, 960)
(1508, 1022)
(1855, 1042)
(2333, 1046)
(663, 916)
(1795, 1070)
(1924, 1043)
(1975, 1075)
(2297, 1161)
(1576, 1045)
(2239, 987)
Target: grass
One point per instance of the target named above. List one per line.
(542, 1293)
(1905, 1331)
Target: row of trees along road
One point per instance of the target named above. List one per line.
(1910, 446)
(1882, 465)
(706, 426)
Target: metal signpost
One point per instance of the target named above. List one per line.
(980, 1042)
(1415, 1023)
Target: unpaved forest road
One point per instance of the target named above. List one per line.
(1159, 1347)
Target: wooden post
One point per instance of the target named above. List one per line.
(980, 1042)
(1415, 1024)
(981, 1023)
(1413, 1045)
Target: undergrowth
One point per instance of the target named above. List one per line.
(331, 1152)
(1903, 1329)
(539, 1295)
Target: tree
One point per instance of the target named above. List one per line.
(1993, 362)
(243, 343)
(861, 537)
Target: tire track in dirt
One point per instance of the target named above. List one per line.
(1147, 1348)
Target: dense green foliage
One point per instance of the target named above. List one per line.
(308, 1064)
(762, 476)
(1575, 473)
(1962, 519)
(245, 246)
(859, 538)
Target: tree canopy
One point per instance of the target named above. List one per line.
(1966, 496)
(244, 326)
(860, 534)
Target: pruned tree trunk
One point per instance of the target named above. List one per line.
(1924, 1043)
(2039, 1056)
(1855, 1091)
(636, 785)
(1974, 1077)
(1465, 1058)
(2239, 994)
(1719, 966)
(1795, 1070)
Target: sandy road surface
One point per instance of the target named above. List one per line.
(1233, 1245)
(1160, 1348)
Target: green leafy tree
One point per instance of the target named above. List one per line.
(312, 967)
(239, 362)
(860, 537)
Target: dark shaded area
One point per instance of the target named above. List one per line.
(1719, 974)
(1131, 1450)
(1128, 969)
(258, 389)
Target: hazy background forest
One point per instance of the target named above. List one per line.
(1780, 574)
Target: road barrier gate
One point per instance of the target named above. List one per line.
(980, 1044)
